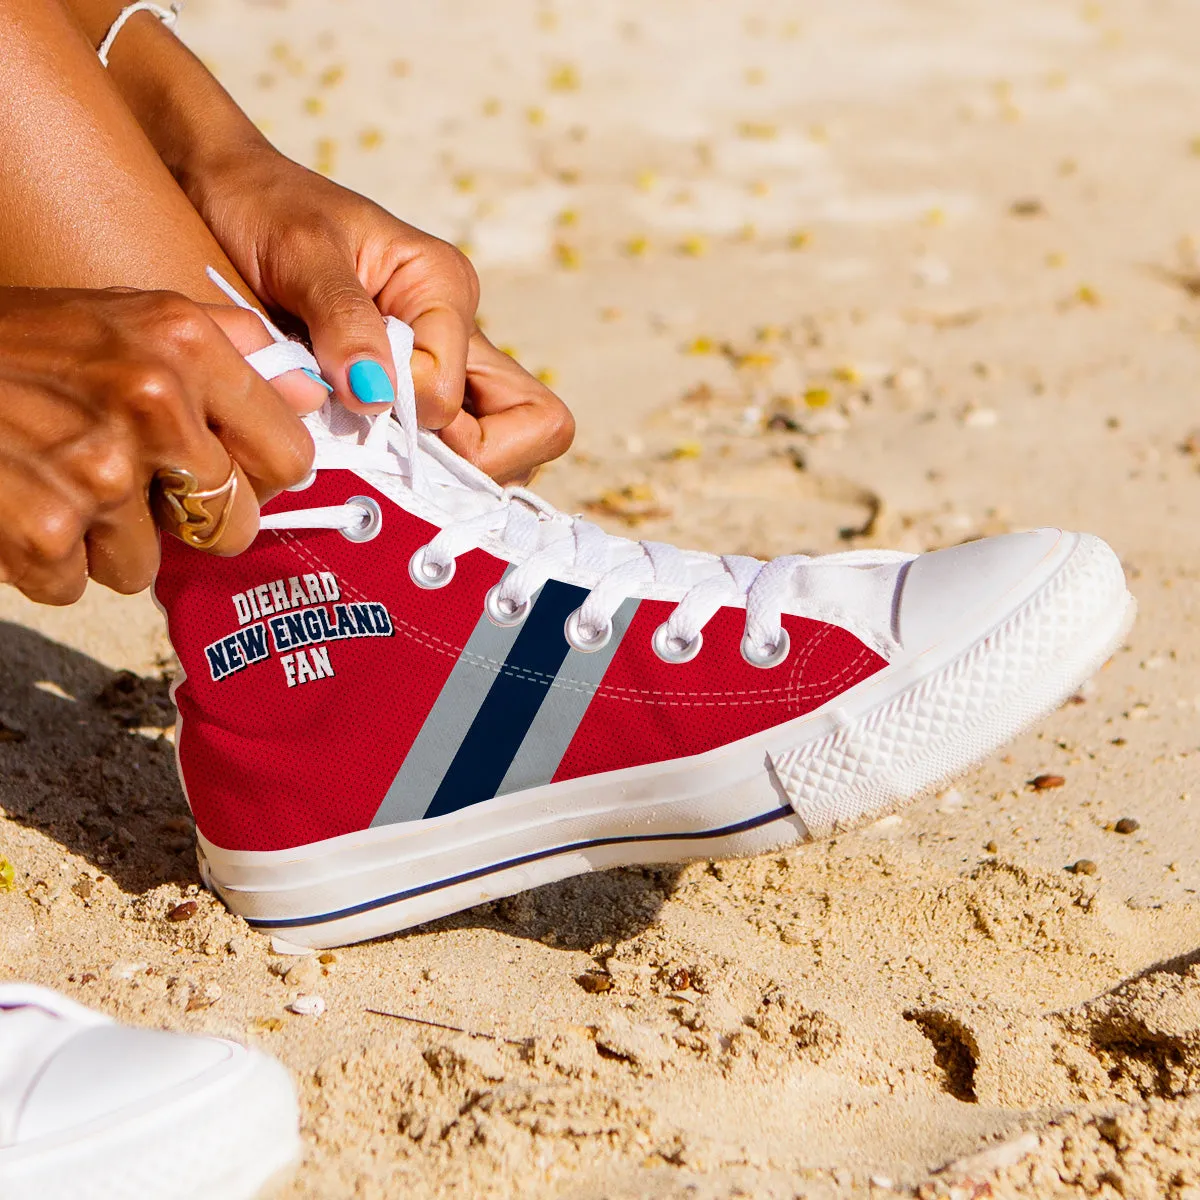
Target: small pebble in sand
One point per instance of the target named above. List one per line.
(183, 912)
(991, 848)
(302, 974)
(307, 1006)
(1027, 206)
(564, 78)
(567, 256)
(1084, 866)
(11, 732)
(761, 131)
(1043, 783)
(980, 418)
(1126, 825)
(594, 982)
(202, 998)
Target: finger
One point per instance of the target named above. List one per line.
(41, 534)
(200, 387)
(301, 391)
(208, 507)
(123, 548)
(513, 423)
(122, 542)
(91, 463)
(93, 453)
(439, 365)
(60, 583)
(349, 336)
(436, 293)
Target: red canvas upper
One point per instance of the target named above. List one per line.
(268, 766)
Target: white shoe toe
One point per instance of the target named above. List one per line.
(947, 588)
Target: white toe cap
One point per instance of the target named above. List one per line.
(978, 582)
(107, 1071)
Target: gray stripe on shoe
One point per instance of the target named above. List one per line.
(559, 717)
(447, 723)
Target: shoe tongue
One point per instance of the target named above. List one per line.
(377, 447)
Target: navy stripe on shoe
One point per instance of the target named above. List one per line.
(500, 725)
(755, 822)
(447, 723)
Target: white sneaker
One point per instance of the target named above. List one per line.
(93, 1110)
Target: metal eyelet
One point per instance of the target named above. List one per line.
(305, 483)
(498, 610)
(672, 649)
(577, 640)
(370, 526)
(419, 571)
(767, 656)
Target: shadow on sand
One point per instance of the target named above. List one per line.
(81, 762)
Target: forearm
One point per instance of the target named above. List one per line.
(84, 199)
(193, 123)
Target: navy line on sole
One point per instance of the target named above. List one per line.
(367, 906)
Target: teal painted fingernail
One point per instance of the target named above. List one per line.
(317, 379)
(370, 384)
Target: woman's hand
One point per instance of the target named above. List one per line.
(98, 391)
(333, 259)
(338, 262)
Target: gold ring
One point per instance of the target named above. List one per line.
(179, 506)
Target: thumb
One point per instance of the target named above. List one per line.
(349, 336)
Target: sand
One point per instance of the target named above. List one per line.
(811, 276)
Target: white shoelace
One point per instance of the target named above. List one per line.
(852, 589)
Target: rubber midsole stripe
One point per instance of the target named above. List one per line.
(466, 877)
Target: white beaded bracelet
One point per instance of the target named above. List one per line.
(168, 16)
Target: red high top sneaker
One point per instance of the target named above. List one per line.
(418, 691)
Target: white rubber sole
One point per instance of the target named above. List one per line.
(227, 1139)
(913, 725)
